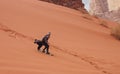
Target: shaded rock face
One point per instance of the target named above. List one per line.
(98, 7)
(108, 9)
(113, 15)
(74, 4)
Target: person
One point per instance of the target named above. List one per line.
(44, 42)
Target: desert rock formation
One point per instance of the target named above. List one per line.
(74, 4)
(114, 4)
(108, 9)
(98, 7)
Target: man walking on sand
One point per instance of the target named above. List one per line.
(44, 42)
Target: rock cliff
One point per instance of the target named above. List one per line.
(74, 4)
(114, 4)
(98, 7)
(109, 9)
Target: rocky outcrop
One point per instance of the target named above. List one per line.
(109, 9)
(98, 7)
(74, 4)
(114, 4)
(113, 15)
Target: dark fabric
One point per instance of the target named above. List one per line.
(46, 47)
(42, 43)
(45, 38)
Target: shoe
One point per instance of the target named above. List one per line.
(47, 53)
(43, 51)
(38, 49)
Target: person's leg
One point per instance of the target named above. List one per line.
(44, 50)
(44, 47)
(47, 48)
(39, 46)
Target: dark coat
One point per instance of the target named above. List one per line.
(45, 38)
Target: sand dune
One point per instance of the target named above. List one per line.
(79, 43)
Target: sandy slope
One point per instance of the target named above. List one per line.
(79, 44)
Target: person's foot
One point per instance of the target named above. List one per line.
(47, 53)
(38, 49)
(43, 51)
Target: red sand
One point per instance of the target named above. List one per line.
(79, 44)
